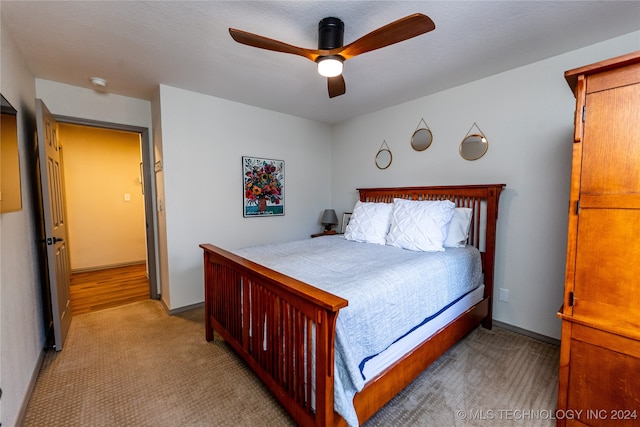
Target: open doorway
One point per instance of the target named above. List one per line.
(109, 205)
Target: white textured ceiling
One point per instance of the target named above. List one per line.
(137, 45)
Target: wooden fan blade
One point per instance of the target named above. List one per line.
(336, 86)
(395, 32)
(270, 44)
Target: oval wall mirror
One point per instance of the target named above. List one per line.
(421, 139)
(383, 158)
(473, 147)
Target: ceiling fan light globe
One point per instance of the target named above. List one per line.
(330, 67)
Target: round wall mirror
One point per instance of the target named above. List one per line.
(473, 147)
(421, 139)
(383, 158)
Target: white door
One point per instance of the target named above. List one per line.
(55, 226)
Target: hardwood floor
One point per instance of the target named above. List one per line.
(112, 287)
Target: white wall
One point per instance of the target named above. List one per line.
(527, 116)
(203, 141)
(72, 101)
(21, 325)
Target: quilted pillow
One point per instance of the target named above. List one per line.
(420, 225)
(458, 228)
(369, 222)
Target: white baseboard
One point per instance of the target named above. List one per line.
(106, 267)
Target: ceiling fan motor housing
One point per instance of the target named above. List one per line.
(330, 33)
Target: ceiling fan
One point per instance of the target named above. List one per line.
(331, 53)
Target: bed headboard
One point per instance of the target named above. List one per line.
(482, 199)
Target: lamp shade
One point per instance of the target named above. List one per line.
(329, 217)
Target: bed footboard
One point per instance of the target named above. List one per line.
(278, 325)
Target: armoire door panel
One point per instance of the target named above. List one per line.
(607, 269)
(611, 147)
(593, 366)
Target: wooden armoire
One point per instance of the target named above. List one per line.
(599, 376)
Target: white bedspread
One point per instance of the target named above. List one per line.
(390, 290)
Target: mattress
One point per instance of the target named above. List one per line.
(379, 363)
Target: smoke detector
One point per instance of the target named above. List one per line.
(98, 82)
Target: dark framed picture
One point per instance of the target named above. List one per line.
(263, 187)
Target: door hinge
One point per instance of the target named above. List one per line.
(584, 113)
(570, 299)
(578, 207)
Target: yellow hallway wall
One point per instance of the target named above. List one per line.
(101, 167)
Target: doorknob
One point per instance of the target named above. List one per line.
(53, 240)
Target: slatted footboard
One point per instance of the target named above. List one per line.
(279, 326)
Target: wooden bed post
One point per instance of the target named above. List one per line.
(208, 287)
(493, 199)
(324, 368)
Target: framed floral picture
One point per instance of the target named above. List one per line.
(263, 187)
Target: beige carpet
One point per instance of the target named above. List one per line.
(136, 366)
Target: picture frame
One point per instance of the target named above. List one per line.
(346, 217)
(262, 187)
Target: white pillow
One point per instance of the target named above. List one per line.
(458, 228)
(369, 222)
(420, 225)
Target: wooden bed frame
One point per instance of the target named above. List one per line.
(244, 299)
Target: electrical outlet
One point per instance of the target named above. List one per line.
(503, 295)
